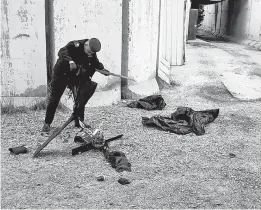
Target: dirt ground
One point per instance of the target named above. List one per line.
(220, 169)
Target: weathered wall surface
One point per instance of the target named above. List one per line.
(239, 19)
(172, 37)
(143, 46)
(23, 43)
(23, 50)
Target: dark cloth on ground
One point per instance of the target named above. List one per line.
(153, 102)
(100, 178)
(118, 160)
(183, 121)
(123, 181)
(18, 150)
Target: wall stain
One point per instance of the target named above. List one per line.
(21, 35)
(5, 31)
(23, 14)
(6, 70)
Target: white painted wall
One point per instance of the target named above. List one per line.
(23, 49)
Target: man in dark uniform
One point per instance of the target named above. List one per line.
(74, 54)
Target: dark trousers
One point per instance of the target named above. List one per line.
(60, 80)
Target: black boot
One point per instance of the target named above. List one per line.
(46, 128)
(77, 123)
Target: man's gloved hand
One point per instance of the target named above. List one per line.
(72, 66)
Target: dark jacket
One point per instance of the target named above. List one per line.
(74, 51)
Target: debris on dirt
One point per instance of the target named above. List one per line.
(18, 150)
(65, 140)
(183, 121)
(153, 102)
(123, 181)
(100, 178)
(87, 142)
(118, 160)
(231, 155)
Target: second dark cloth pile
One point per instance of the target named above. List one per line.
(183, 121)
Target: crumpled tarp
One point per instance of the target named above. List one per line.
(183, 121)
(118, 160)
(152, 102)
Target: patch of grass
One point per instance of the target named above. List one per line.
(40, 105)
(11, 109)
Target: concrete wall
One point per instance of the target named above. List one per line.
(23, 43)
(236, 23)
(23, 65)
(236, 19)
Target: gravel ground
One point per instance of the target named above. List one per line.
(168, 170)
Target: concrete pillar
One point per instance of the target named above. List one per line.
(125, 49)
(143, 45)
(178, 31)
(49, 30)
(172, 37)
(188, 7)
